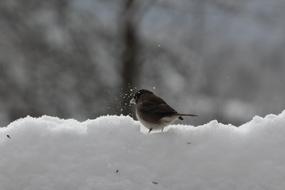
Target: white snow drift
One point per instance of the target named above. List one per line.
(110, 153)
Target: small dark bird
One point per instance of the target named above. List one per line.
(154, 182)
(153, 112)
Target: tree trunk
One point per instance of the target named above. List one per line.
(129, 60)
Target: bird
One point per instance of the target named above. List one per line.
(153, 112)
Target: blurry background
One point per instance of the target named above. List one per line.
(221, 59)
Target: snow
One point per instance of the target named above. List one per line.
(114, 153)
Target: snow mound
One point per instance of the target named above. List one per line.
(110, 153)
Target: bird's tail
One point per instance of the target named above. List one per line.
(183, 114)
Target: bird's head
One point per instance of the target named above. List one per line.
(138, 95)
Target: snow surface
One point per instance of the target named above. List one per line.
(110, 153)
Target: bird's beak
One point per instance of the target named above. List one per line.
(133, 101)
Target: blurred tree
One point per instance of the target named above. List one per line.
(131, 67)
(56, 58)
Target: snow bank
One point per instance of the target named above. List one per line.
(110, 153)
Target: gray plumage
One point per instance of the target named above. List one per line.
(153, 112)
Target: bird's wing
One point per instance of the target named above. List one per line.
(157, 106)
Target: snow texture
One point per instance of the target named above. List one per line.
(114, 153)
